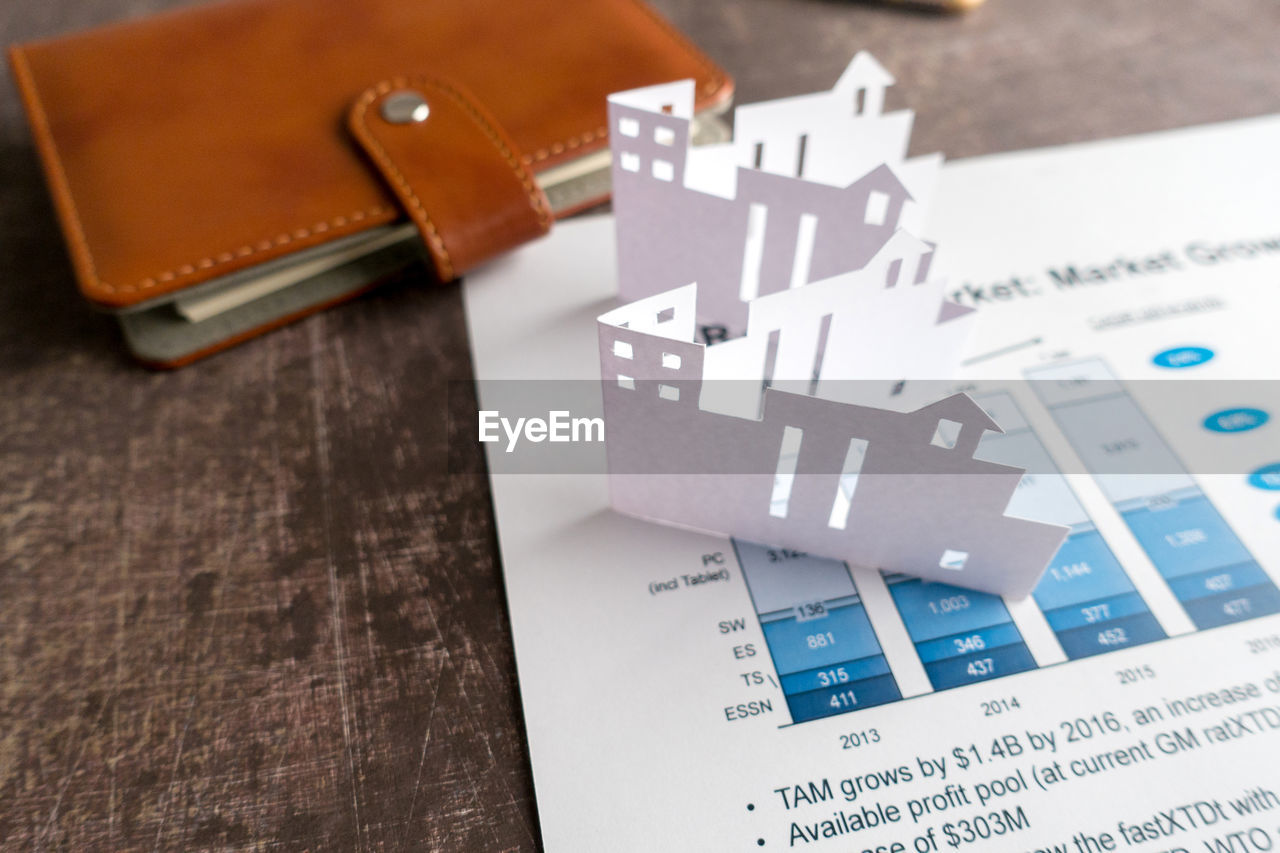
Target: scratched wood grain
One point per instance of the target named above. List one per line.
(245, 605)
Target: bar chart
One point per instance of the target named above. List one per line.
(961, 636)
(826, 653)
(1191, 545)
(825, 625)
(1087, 598)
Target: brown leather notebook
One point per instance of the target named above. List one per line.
(223, 169)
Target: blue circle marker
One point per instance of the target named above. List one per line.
(1236, 420)
(1180, 357)
(1267, 477)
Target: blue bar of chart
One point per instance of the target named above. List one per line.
(822, 634)
(824, 649)
(1089, 602)
(1193, 548)
(961, 636)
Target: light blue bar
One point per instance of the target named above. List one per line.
(1096, 612)
(844, 635)
(984, 640)
(1064, 583)
(1186, 538)
(932, 610)
(842, 673)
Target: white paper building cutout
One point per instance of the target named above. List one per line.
(763, 436)
(872, 486)
(809, 187)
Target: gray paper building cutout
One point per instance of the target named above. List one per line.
(809, 187)
(767, 436)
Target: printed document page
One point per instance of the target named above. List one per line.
(684, 691)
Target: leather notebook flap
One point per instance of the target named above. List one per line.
(185, 148)
(458, 175)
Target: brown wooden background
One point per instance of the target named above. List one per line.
(242, 606)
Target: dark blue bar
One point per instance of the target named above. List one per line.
(1108, 636)
(1235, 606)
(818, 703)
(955, 672)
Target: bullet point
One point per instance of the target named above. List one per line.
(751, 807)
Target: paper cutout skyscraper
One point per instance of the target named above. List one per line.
(790, 248)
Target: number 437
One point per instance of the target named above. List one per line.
(981, 667)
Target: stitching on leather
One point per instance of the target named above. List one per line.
(248, 249)
(536, 199)
(534, 196)
(561, 147)
(80, 243)
(419, 213)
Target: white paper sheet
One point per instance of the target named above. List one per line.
(683, 692)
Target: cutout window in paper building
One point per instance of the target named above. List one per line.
(798, 241)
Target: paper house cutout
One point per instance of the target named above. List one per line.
(809, 187)
(794, 430)
(898, 491)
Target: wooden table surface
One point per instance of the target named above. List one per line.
(244, 605)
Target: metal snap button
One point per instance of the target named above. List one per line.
(405, 107)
